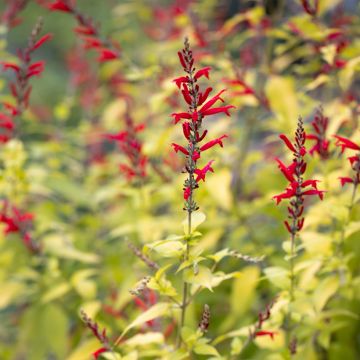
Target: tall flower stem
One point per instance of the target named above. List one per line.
(199, 106)
(296, 191)
(190, 167)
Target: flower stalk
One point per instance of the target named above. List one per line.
(198, 108)
(296, 192)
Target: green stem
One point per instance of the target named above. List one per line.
(184, 302)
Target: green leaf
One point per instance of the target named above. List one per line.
(55, 292)
(146, 339)
(218, 256)
(286, 111)
(203, 278)
(44, 331)
(278, 276)
(83, 285)
(10, 291)
(324, 291)
(159, 309)
(84, 350)
(205, 349)
(62, 247)
(168, 248)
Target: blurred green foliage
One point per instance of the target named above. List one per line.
(61, 169)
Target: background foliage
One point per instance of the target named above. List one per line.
(278, 62)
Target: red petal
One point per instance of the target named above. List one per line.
(345, 180)
(345, 143)
(59, 6)
(212, 101)
(85, 30)
(179, 148)
(41, 41)
(179, 116)
(266, 332)
(97, 353)
(11, 66)
(181, 58)
(287, 142)
(224, 109)
(212, 143)
(202, 72)
(107, 55)
(182, 79)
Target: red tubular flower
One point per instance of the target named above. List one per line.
(298, 187)
(180, 148)
(310, 9)
(10, 16)
(106, 55)
(266, 333)
(224, 109)
(354, 160)
(180, 80)
(203, 96)
(179, 116)
(287, 142)
(98, 352)
(192, 121)
(187, 192)
(18, 222)
(345, 180)
(202, 72)
(21, 88)
(131, 147)
(212, 101)
(345, 143)
(287, 171)
(87, 29)
(202, 172)
(12, 66)
(320, 125)
(60, 5)
(212, 143)
(41, 41)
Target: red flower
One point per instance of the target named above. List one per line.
(287, 142)
(297, 188)
(320, 125)
(98, 352)
(266, 333)
(214, 142)
(41, 41)
(107, 55)
(345, 180)
(202, 72)
(203, 96)
(60, 5)
(311, 10)
(212, 101)
(179, 148)
(18, 222)
(192, 122)
(288, 171)
(187, 193)
(12, 66)
(180, 80)
(224, 109)
(179, 116)
(345, 143)
(202, 172)
(85, 30)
